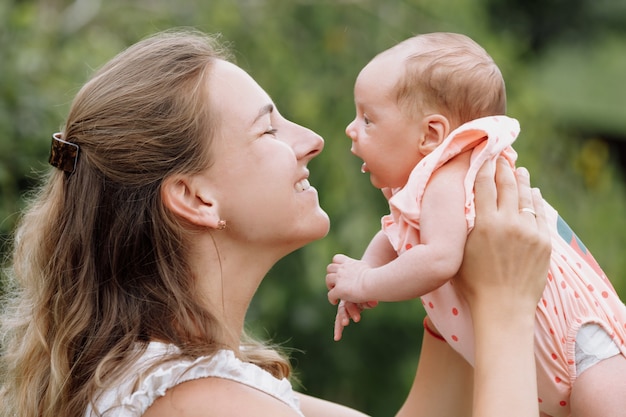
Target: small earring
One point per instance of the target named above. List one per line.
(221, 225)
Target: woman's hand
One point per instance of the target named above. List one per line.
(502, 278)
(508, 251)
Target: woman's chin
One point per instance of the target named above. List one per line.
(316, 229)
(322, 225)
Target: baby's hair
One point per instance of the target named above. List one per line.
(450, 74)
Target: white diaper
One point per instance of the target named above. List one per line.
(593, 344)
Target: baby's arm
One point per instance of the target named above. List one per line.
(379, 252)
(422, 268)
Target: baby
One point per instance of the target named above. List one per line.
(429, 112)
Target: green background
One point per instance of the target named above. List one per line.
(565, 66)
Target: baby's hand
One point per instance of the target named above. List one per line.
(345, 278)
(347, 310)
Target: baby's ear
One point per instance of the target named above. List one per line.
(436, 129)
(190, 198)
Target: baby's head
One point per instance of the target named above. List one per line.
(449, 74)
(411, 96)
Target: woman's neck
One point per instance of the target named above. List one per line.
(227, 277)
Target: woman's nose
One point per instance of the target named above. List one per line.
(308, 145)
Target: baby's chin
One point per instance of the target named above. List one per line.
(377, 184)
(375, 180)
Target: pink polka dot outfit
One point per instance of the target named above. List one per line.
(577, 291)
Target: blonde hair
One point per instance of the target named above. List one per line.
(451, 74)
(99, 265)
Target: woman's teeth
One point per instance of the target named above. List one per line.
(303, 185)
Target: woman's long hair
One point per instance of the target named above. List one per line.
(99, 265)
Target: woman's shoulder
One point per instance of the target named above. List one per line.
(161, 373)
(217, 397)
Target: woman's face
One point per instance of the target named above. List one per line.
(260, 165)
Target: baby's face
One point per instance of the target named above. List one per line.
(382, 135)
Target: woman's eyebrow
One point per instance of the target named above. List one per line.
(268, 108)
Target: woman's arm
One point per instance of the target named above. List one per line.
(502, 278)
(443, 383)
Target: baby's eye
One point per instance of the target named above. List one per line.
(270, 131)
(366, 120)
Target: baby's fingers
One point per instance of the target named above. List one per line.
(341, 320)
(332, 298)
(338, 330)
(353, 310)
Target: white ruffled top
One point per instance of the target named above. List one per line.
(133, 397)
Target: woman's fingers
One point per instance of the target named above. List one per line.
(526, 204)
(508, 250)
(485, 187)
(506, 184)
(497, 185)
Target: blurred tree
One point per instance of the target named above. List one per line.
(542, 23)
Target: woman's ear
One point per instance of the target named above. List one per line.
(436, 129)
(186, 199)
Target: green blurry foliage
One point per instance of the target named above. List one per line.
(307, 54)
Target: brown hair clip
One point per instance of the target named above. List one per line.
(63, 154)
